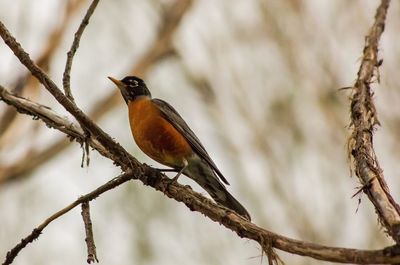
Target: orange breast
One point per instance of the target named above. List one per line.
(155, 136)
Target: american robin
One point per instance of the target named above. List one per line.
(163, 135)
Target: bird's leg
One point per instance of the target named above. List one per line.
(167, 169)
(185, 164)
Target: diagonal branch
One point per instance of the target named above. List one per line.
(88, 197)
(158, 50)
(245, 229)
(363, 121)
(74, 48)
(42, 112)
(126, 160)
(195, 202)
(43, 61)
(53, 120)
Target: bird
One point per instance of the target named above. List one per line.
(162, 134)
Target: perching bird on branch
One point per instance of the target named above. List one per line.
(163, 135)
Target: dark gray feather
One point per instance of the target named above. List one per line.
(177, 121)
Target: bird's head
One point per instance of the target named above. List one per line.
(131, 87)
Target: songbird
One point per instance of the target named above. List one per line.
(163, 135)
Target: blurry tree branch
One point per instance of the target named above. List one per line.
(33, 158)
(161, 47)
(30, 161)
(197, 202)
(363, 121)
(363, 114)
(43, 61)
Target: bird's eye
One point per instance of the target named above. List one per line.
(133, 83)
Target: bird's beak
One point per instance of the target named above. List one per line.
(119, 83)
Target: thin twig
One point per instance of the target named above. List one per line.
(43, 61)
(115, 149)
(88, 197)
(363, 122)
(74, 48)
(91, 247)
(52, 120)
(197, 202)
(67, 72)
(193, 200)
(40, 111)
(159, 49)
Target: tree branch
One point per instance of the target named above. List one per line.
(125, 159)
(193, 200)
(245, 229)
(91, 247)
(86, 198)
(50, 118)
(38, 111)
(51, 44)
(363, 121)
(159, 49)
(73, 49)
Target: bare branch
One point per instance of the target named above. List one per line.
(160, 48)
(196, 202)
(51, 44)
(9, 115)
(91, 247)
(51, 119)
(193, 200)
(40, 111)
(88, 197)
(67, 71)
(119, 154)
(363, 121)
(73, 49)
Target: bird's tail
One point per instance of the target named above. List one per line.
(206, 178)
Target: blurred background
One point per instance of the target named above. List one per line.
(258, 81)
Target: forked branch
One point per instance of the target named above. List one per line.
(99, 140)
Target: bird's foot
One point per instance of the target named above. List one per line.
(174, 180)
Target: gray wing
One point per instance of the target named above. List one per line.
(177, 121)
